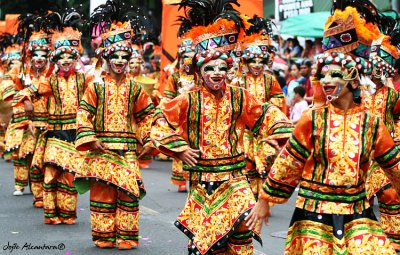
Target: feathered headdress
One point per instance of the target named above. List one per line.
(259, 25)
(350, 30)
(136, 52)
(31, 28)
(185, 43)
(257, 42)
(347, 39)
(117, 23)
(385, 50)
(216, 27)
(6, 40)
(66, 36)
(12, 47)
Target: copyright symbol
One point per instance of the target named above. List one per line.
(61, 246)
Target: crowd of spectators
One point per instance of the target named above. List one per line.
(293, 67)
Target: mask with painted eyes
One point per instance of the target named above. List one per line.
(39, 60)
(66, 62)
(134, 65)
(118, 61)
(335, 78)
(214, 74)
(256, 66)
(232, 73)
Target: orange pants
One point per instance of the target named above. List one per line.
(59, 195)
(113, 214)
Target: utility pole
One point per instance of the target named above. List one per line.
(395, 5)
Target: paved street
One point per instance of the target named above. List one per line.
(22, 228)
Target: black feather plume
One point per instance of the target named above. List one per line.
(206, 12)
(365, 7)
(114, 11)
(260, 24)
(57, 20)
(6, 40)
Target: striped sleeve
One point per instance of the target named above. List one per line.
(287, 169)
(85, 133)
(167, 119)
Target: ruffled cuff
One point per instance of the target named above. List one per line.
(83, 140)
(275, 192)
(21, 96)
(170, 145)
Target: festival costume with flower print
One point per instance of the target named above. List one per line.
(60, 195)
(118, 114)
(39, 41)
(19, 142)
(264, 88)
(332, 181)
(385, 103)
(256, 49)
(59, 158)
(329, 152)
(198, 120)
(219, 196)
(177, 83)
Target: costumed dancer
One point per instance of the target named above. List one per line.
(204, 128)
(177, 83)
(384, 101)
(5, 107)
(64, 86)
(114, 116)
(329, 153)
(135, 73)
(11, 84)
(31, 120)
(256, 54)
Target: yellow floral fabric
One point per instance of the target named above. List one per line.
(328, 156)
(385, 103)
(70, 160)
(214, 126)
(64, 94)
(109, 167)
(361, 236)
(119, 115)
(206, 219)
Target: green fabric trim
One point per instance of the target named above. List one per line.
(298, 147)
(66, 187)
(102, 205)
(342, 198)
(128, 204)
(64, 121)
(86, 106)
(215, 169)
(275, 192)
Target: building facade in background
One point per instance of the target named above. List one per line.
(320, 6)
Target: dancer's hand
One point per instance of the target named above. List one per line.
(260, 212)
(28, 107)
(144, 151)
(31, 128)
(98, 146)
(189, 156)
